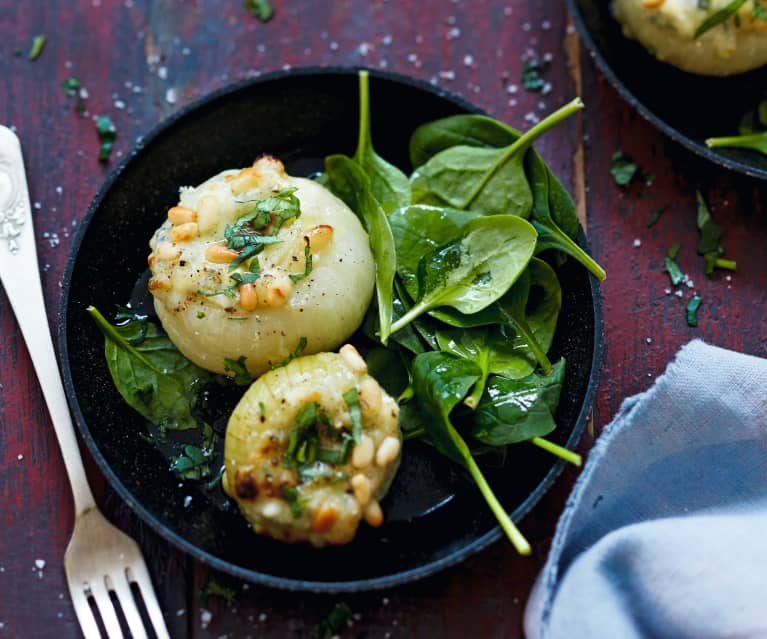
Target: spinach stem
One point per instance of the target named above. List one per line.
(572, 249)
(523, 142)
(362, 137)
(479, 387)
(559, 451)
(532, 343)
(415, 311)
(512, 532)
(110, 332)
(413, 434)
(755, 141)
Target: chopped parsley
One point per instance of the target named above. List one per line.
(262, 408)
(334, 623)
(692, 310)
(260, 9)
(213, 588)
(38, 43)
(241, 375)
(193, 463)
(293, 497)
(296, 353)
(672, 268)
(352, 399)
(710, 234)
(308, 257)
(200, 314)
(623, 168)
(655, 215)
(107, 134)
(71, 86)
(531, 75)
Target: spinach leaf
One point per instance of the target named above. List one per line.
(387, 367)
(482, 131)
(719, 17)
(475, 269)
(441, 381)
(152, 376)
(388, 184)
(550, 234)
(348, 181)
(516, 410)
(490, 180)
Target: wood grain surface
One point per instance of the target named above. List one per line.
(140, 60)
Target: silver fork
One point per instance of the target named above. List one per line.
(100, 559)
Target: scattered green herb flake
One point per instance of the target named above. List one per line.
(710, 234)
(308, 257)
(692, 310)
(71, 86)
(241, 375)
(302, 429)
(704, 4)
(728, 265)
(674, 250)
(262, 408)
(719, 17)
(260, 9)
(37, 47)
(656, 215)
(296, 353)
(213, 588)
(193, 463)
(352, 399)
(759, 12)
(623, 168)
(531, 75)
(675, 273)
(107, 134)
(293, 497)
(335, 622)
(200, 314)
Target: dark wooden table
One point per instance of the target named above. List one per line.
(140, 60)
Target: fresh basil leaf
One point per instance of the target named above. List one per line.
(388, 185)
(352, 400)
(153, 377)
(241, 375)
(348, 181)
(719, 17)
(516, 410)
(300, 348)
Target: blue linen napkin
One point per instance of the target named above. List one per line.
(665, 533)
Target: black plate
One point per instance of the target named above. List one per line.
(299, 116)
(688, 108)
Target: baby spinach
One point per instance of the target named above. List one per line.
(550, 234)
(348, 181)
(388, 184)
(441, 381)
(474, 269)
(516, 410)
(152, 376)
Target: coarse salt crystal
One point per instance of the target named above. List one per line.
(162, 73)
(262, 617)
(40, 563)
(637, 242)
(453, 33)
(171, 96)
(20, 457)
(468, 59)
(678, 293)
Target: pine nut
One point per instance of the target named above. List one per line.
(181, 215)
(324, 518)
(157, 284)
(387, 451)
(166, 251)
(273, 290)
(652, 4)
(220, 254)
(184, 232)
(245, 180)
(151, 260)
(362, 489)
(320, 236)
(207, 213)
(248, 297)
(353, 359)
(363, 452)
(373, 514)
(370, 396)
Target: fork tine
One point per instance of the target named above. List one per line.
(106, 609)
(138, 573)
(84, 613)
(121, 588)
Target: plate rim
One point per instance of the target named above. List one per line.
(699, 148)
(164, 531)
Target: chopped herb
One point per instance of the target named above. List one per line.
(759, 12)
(260, 9)
(672, 268)
(308, 257)
(262, 408)
(305, 420)
(704, 4)
(107, 134)
(296, 353)
(531, 75)
(320, 470)
(352, 399)
(37, 47)
(692, 310)
(200, 315)
(293, 497)
(655, 215)
(710, 234)
(336, 456)
(334, 623)
(71, 86)
(623, 168)
(719, 17)
(214, 589)
(241, 375)
(193, 464)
